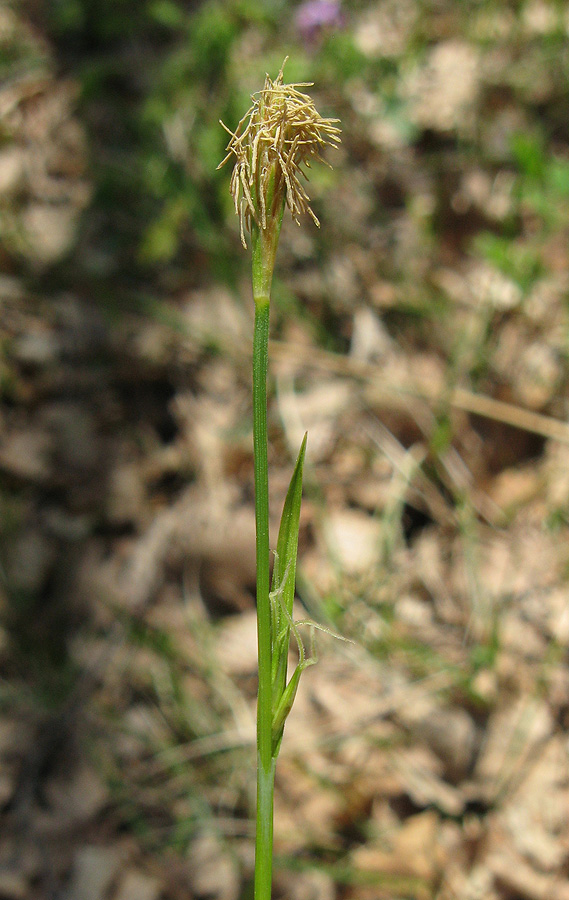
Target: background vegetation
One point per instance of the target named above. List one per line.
(420, 336)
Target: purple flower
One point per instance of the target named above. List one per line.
(314, 17)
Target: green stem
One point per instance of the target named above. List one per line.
(264, 831)
(265, 762)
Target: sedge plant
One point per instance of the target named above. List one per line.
(272, 145)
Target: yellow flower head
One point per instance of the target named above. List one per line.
(280, 133)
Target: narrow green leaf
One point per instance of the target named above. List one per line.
(284, 707)
(280, 666)
(284, 571)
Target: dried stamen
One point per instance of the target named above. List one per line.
(283, 132)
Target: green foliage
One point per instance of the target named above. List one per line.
(166, 13)
(517, 260)
(194, 87)
(156, 78)
(20, 54)
(282, 598)
(541, 190)
(284, 571)
(529, 154)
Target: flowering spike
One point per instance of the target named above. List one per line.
(281, 133)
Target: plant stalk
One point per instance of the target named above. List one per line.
(265, 761)
(284, 132)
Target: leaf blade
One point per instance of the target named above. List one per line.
(284, 573)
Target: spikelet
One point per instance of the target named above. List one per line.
(280, 133)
